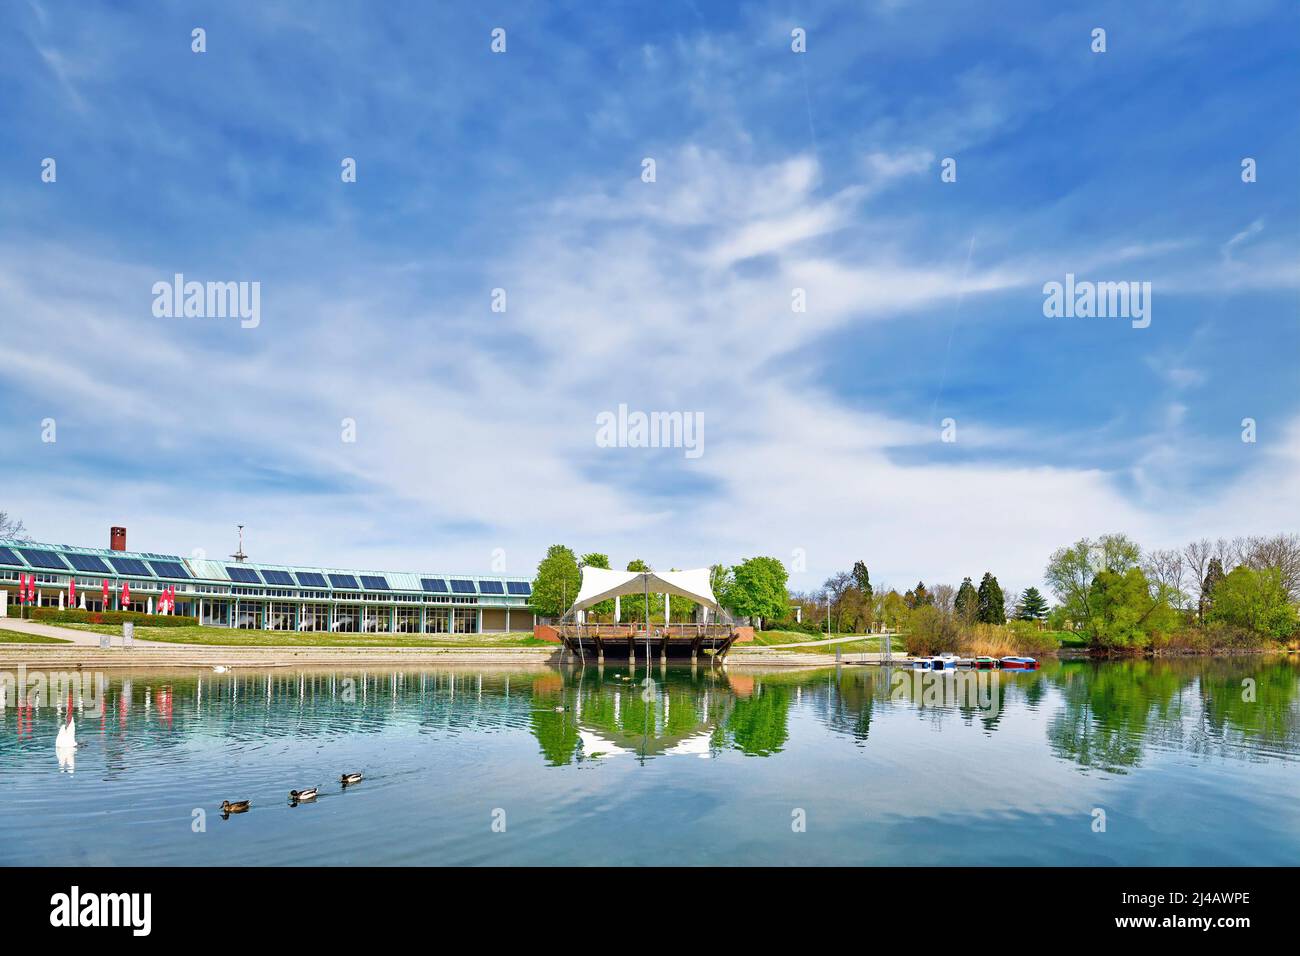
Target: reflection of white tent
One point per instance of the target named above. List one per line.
(700, 745)
(599, 585)
(593, 743)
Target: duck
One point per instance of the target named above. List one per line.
(220, 669)
(239, 806)
(560, 708)
(348, 778)
(307, 794)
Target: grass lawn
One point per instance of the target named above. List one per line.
(869, 643)
(227, 637)
(18, 637)
(1068, 638)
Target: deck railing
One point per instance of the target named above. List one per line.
(625, 630)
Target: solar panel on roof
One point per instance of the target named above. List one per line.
(8, 557)
(130, 566)
(519, 587)
(434, 585)
(169, 569)
(277, 577)
(461, 586)
(374, 582)
(88, 563)
(42, 559)
(344, 581)
(243, 575)
(310, 579)
(490, 587)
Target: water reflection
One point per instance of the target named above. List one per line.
(573, 753)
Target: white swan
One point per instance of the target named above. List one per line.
(65, 746)
(67, 738)
(220, 669)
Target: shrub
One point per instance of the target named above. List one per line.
(931, 631)
(75, 616)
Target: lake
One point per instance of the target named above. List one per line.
(1134, 763)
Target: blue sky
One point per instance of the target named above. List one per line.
(775, 170)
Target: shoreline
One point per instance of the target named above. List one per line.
(70, 656)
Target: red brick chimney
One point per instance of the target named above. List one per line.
(117, 539)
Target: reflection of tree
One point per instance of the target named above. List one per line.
(1111, 708)
(851, 705)
(1233, 710)
(758, 724)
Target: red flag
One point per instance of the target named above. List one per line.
(126, 595)
(22, 588)
(31, 588)
(171, 599)
(72, 592)
(105, 594)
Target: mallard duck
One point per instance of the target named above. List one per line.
(560, 708)
(348, 778)
(307, 794)
(239, 806)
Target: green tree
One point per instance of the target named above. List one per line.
(992, 605)
(759, 588)
(1255, 600)
(862, 578)
(893, 609)
(1033, 606)
(1213, 576)
(557, 581)
(1123, 612)
(603, 609)
(720, 580)
(1118, 552)
(1069, 574)
(966, 605)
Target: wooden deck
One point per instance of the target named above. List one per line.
(628, 641)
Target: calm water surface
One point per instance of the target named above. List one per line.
(1192, 762)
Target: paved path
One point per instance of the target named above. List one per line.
(852, 638)
(69, 634)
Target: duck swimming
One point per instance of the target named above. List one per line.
(239, 806)
(348, 778)
(308, 794)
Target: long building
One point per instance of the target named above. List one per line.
(272, 597)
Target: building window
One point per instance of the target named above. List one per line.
(315, 617)
(347, 619)
(282, 617)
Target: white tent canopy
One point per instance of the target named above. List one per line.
(599, 585)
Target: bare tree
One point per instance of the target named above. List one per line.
(944, 597)
(1167, 570)
(1196, 562)
(1280, 552)
(12, 528)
